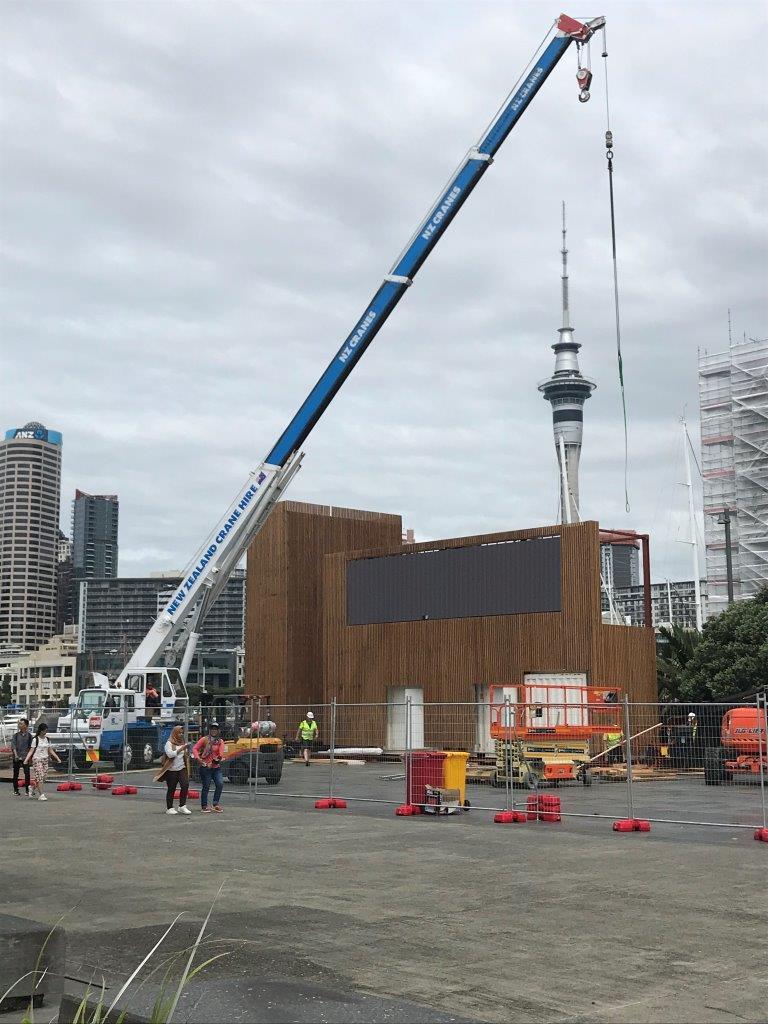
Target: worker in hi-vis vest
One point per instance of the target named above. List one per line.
(307, 733)
(614, 747)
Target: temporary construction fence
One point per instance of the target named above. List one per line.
(699, 764)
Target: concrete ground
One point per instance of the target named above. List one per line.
(533, 922)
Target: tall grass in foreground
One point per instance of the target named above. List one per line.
(167, 999)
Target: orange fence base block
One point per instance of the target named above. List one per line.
(761, 835)
(406, 810)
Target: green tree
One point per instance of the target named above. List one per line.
(675, 649)
(732, 654)
(5, 693)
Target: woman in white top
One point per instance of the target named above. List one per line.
(39, 753)
(176, 771)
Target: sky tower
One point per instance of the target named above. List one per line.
(567, 391)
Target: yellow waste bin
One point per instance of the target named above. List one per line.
(455, 772)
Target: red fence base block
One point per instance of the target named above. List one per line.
(119, 790)
(624, 825)
(330, 804)
(75, 786)
(105, 778)
(131, 790)
(532, 805)
(549, 808)
(405, 810)
(102, 785)
(193, 794)
(632, 825)
(761, 835)
(509, 817)
(64, 787)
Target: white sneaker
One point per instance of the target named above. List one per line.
(184, 810)
(171, 810)
(30, 794)
(42, 797)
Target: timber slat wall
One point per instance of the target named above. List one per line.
(284, 614)
(448, 657)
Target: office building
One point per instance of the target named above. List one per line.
(94, 535)
(620, 563)
(566, 391)
(30, 486)
(733, 397)
(65, 585)
(47, 675)
(671, 603)
(115, 615)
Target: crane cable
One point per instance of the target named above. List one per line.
(609, 157)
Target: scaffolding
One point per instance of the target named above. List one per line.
(733, 396)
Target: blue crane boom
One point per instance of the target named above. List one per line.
(213, 563)
(429, 233)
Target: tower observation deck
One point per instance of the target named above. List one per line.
(566, 391)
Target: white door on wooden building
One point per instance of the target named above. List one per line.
(398, 737)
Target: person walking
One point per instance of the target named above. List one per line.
(39, 753)
(175, 771)
(21, 741)
(210, 751)
(307, 733)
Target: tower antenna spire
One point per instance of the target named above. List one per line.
(564, 279)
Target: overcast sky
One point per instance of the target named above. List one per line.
(199, 200)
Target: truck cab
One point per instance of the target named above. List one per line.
(127, 723)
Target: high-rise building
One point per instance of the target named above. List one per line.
(65, 584)
(94, 535)
(733, 397)
(620, 564)
(30, 487)
(567, 391)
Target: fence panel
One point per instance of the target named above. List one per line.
(703, 764)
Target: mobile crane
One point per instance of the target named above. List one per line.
(174, 635)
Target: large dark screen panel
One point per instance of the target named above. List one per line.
(456, 583)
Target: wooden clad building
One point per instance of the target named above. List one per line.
(338, 607)
(284, 603)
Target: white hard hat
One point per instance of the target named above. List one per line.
(691, 714)
(310, 715)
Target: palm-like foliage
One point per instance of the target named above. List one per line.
(675, 648)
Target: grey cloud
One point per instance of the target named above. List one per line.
(198, 200)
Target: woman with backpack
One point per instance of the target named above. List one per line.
(39, 754)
